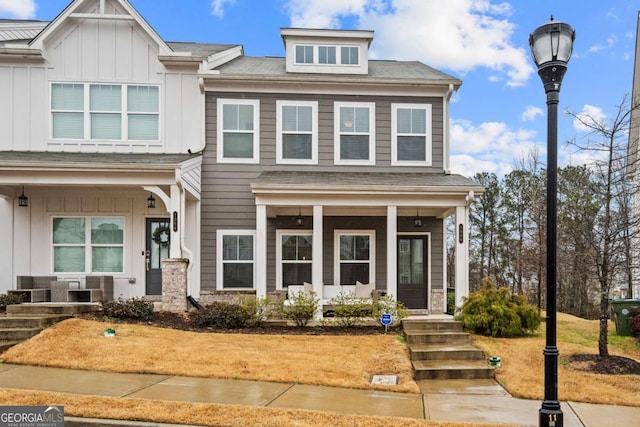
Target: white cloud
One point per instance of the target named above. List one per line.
(611, 41)
(531, 113)
(20, 9)
(589, 117)
(460, 35)
(217, 7)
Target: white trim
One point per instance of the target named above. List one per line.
(336, 252)
(372, 133)
(279, 261)
(220, 262)
(428, 136)
(314, 132)
(256, 130)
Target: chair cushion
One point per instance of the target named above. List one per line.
(364, 291)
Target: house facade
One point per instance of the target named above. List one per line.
(328, 168)
(634, 145)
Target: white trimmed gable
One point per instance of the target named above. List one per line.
(326, 51)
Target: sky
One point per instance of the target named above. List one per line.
(498, 116)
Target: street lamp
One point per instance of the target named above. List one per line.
(551, 47)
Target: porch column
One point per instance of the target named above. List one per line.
(392, 251)
(175, 214)
(316, 265)
(462, 254)
(261, 251)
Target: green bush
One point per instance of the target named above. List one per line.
(221, 315)
(634, 323)
(9, 299)
(257, 309)
(349, 310)
(498, 313)
(451, 300)
(302, 308)
(134, 308)
(388, 304)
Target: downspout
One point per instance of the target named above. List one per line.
(445, 130)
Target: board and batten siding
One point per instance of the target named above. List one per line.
(227, 201)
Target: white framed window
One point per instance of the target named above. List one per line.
(304, 54)
(115, 112)
(293, 257)
(297, 132)
(354, 133)
(88, 244)
(238, 131)
(349, 55)
(411, 143)
(327, 54)
(354, 252)
(236, 256)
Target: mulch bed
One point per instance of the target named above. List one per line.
(609, 365)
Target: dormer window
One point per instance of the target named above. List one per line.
(349, 55)
(304, 55)
(327, 55)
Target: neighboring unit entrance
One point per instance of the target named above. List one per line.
(412, 271)
(157, 247)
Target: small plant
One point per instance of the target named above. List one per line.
(256, 308)
(9, 299)
(134, 308)
(498, 313)
(388, 304)
(348, 310)
(302, 309)
(221, 315)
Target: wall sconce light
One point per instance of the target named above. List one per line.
(299, 219)
(417, 221)
(151, 201)
(23, 201)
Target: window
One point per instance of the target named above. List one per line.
(105, 112)
(304, 54)
(411, 134)
(88, 245)
(355, 256)
(326, 54)
(238, 134)
(297, 140)
(354, 133)
(293, 252)
(349, 55)
(236, 257)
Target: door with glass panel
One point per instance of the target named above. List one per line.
(158, 241)
(412, 271)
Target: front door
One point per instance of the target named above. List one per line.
(158, 234)
(412, 271)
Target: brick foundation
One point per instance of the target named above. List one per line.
(437, 301)
(174, 284)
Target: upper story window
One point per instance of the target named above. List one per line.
(349, 55)
(304, 54)
(297, 132)
(411, 143)
(327, 55)
(354, 127)
(105, 112)
(238, 131)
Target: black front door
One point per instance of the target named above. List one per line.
(158, 234)
(413, 271)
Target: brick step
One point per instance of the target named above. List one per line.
(445, 352)
(431, 325)
(18, 334)
(444, 338)
(451, 369)
(27, 321)
(62, 308)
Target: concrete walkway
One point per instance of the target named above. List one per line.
(480, 401)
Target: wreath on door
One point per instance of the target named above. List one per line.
(161, 236)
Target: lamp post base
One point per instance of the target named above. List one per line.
(551, 415)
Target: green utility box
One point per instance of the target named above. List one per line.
(622, 313)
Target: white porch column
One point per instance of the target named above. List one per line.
(316, 266)
(261, 251)
(175, 217)
(462, 254)
(392, 251)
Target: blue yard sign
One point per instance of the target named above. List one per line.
(385, 319)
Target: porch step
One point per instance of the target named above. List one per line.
(415, 325)
(445, 352)
(452, 370)
(436, 337)
(15, 328)
(18, 334)
(52, 308)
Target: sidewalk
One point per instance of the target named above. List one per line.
(481, 401)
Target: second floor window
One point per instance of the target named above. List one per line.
(238, 131)
(411, 134)
(105, 112)
(297, 140)
(354, 133)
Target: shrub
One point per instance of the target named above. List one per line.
(349, 310)
(498, 313)
(257, 309)
(388, 304)
(134, 308)
(9, 299)
(221, 315)
(634, 323)
(302, 309)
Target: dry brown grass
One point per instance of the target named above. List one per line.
(522, 369)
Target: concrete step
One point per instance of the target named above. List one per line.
(52, 308)
(431, 325)
(29, 321)
(444, 338)
(18, 334)
(451, 369)
(5, 345)
(445, 352)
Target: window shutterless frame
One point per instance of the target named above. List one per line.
(234, 258)
(291, 260)
(359, 258)
(297, 132)
(354, 133)
(238, 131)
(411, 135)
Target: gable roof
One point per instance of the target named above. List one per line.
(12, 30)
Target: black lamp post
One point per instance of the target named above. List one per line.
(551, 47)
